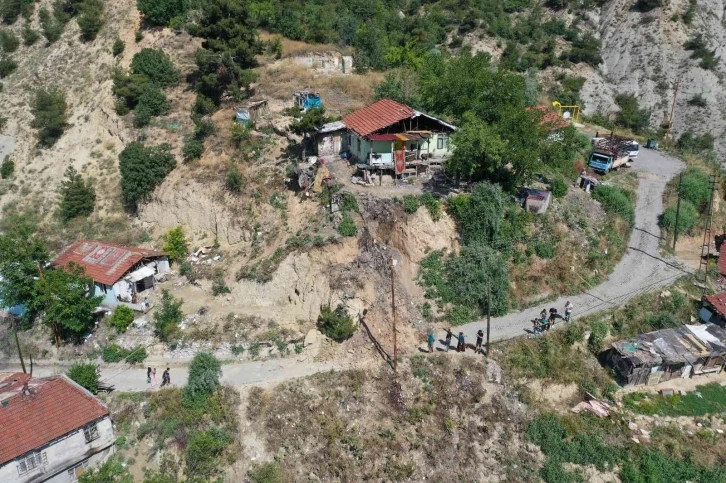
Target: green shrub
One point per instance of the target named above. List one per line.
(410, 203)
(193, 149)
(49, 111)
(138, 36)
(648, 5)
(205, 128)
(219, 287)
(168, 317)
(234, 180)
(90, 19)
(432, 204)
(7, 167)
(687, 218)
(9, 42)
(630, 115)
(692, 143)
(544, 249)
(615, 201)
(142, 116)
(142, 169)
(29, 35)
(598, 332)
(85, 374)
(52, 29)
(336, 324)
(204, 373)
(157, 66)
(114, 353)
(269, 472)
(136, 355)
(175, 244)
(118, 47)
(349, 203)
(78, 197)
(558, 187)
(204, 450)
(347, 226)
(187, 270)
(161, 12)
(111, 471)
(697, 100)
(695, 187)
(154, 99)
(121, 318)
(7, 66)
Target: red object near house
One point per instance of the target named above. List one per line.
(400, 159)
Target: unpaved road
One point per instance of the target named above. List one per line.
(641, 269)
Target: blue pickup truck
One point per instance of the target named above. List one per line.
(609, 153)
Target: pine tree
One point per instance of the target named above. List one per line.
(78, 197)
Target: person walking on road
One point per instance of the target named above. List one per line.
(448, 339)
(543, 320)
(461, 345)
(153, 377)
(479, 341)
(553, 316)
(165, 378)
(148, 375)
(568, 311)
(432, 339)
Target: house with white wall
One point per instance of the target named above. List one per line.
(121, 274)
(51, 429)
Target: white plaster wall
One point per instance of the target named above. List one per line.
(63, 454)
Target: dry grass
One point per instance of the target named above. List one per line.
(291, 48)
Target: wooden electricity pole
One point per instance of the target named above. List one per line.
(489, 310)
(393, 309)
(20, 353)
(678, 212)
(673, 108)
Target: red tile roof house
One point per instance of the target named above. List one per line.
(121, 274)
(51, 429)
(385, 129)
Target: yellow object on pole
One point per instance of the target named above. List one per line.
(573, 110)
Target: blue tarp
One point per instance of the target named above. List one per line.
(242, 116)
(311, 101)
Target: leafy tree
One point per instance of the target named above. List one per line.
(7, 66)
(648, 5)
(152, 101)
(118, 47)
(168, 317)
(204, 450)
(7, 167)
(121, 319)
(9, 42)
(470, 271)
(630, 115)
(687, 218)
(483, 216)
(695, 144)
(49, 111)
(11, 10)
(234, 180)
(111, 471)
(156, 66)
(336, 324)
(478, 150)
(128, 89)
(142, 116)
(29, 35)
(193, 149)
(309, 122)
(142, 169)
(22, 254)
(160, 12)
(78, 197)
(62, 296)
(204, 373)
(175, 244)
(585, 49)
(400, 85)
(90, 19)
(85, 375)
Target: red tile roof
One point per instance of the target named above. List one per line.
(550, 118)
(377, 116)
(718, 301)
(55, 407)
(104, 262)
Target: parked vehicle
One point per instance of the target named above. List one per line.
(634, 149)
(610, 153)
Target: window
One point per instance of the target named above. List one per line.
(77, 470)
(442, 142)
(31, 462)
(91, 432)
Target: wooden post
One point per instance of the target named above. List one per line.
(393, 309)
(20, 353)
(489, 310)
(678, 212)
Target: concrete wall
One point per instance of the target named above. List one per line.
(434, 143)
(63, 454)
(109, 298)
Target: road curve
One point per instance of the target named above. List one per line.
(641, 269)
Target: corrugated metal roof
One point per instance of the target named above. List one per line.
(331, 127)
(377, 116)
(104, 262)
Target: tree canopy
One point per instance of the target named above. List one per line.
(142, 169)
(78, 196)
(50, 117)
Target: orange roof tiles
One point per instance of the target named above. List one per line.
(104, 262)
(377, 116)
(718, 301)
(550, 118)
(55, 407)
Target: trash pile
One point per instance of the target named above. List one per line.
(204, 255)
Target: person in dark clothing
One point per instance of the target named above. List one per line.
(461, 346)
(148, 375)
(431, 341)
(479, 340)
(449, 335)
(553, 316)
(165, 378)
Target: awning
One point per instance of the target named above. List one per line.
(140, 274)
(383, 137)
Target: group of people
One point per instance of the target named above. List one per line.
(460, 341)
(151, 377)
(546, 322)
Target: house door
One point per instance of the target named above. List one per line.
(337, 144)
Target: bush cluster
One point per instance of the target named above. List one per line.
(142, 169)
(115, 353)
(85, 374)
(121, 318)
(616, 201)
(336, 323)
(50, 116)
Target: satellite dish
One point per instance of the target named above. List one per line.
(566, 115)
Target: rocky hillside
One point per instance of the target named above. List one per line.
(644, 54)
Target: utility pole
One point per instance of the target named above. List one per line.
(673, 108)
(393, 309)
(489, 309)
(678, 212)
(20, 353)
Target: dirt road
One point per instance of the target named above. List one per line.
(641, 269)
